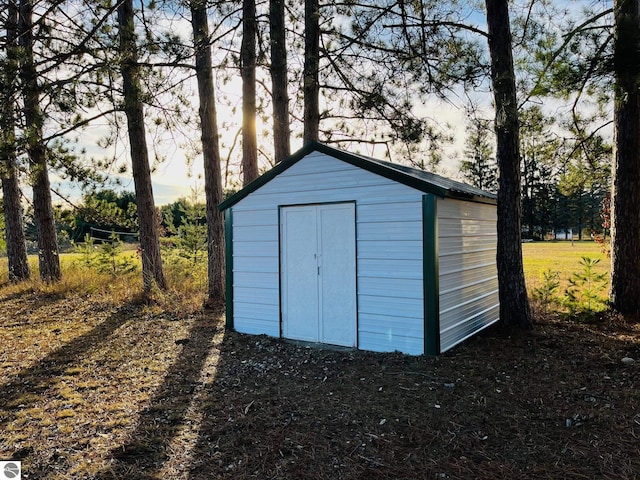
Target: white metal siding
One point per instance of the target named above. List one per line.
(255, 271)
(468, 281)
(389, 251)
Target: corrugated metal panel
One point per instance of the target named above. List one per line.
(397, 326)
(388, 268)
(314, 193)
(379, 331)
(398, 211)
(456, 314)
(468, 275)
(389, 250)
(293, 183)
(246, 233)
(376, 342)
(250, 294)
(255, 326)
(461, 293)
(255, 311)
(255, 216)
(393, 231)
(452, 227)
(265, 264)
(462, 278)
(255, 248)
(401, 307)
(390, 286)
(459, 244)
(469, 326)
(379, 250)
(467, 260)
(309, 168)
(264, 280)
(460, 209)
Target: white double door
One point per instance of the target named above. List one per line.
(318, 273)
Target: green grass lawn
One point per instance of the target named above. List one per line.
(559, 256)
(564, 258)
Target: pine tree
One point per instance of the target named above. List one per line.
(279, 81)
(479, 167)
(514, 303)
(12, 206)
(248, 69)
(48, 259)
(625, 195)
(152, 271)
(311, 82)
(211, 152)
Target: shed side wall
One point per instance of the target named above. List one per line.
(468, 277)
(388, 242)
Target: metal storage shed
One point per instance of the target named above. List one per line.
(338, 248)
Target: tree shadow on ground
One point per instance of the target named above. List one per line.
(30, 382)
(278, 409)
(495, 407)
(553, 402)
(168, 414)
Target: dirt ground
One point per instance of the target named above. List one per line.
(102, 391)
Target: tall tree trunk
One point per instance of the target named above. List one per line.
(48, 258)
(279, 81)
(248, 67)
(210, 151)
(14, 229)
(625, 197)
(149, 242)
(311, 85)
(514, 303)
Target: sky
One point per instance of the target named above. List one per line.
(172, 178)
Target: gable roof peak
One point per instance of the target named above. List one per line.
(422, 180)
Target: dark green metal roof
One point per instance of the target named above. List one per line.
(413, 177)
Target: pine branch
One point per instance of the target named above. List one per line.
(556, 53)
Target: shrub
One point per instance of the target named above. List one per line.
(111, 259)
(546, 293)
(584, 293)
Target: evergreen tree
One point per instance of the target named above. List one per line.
(311, 80)
(514, 303)
(383, 64)
(479, 167)
(152, 272)
(48, 259)
(104, 210)
(211, 152)
(248, 70)
(541, 150)
(625, 194)
(279, 80)
(12, 206)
